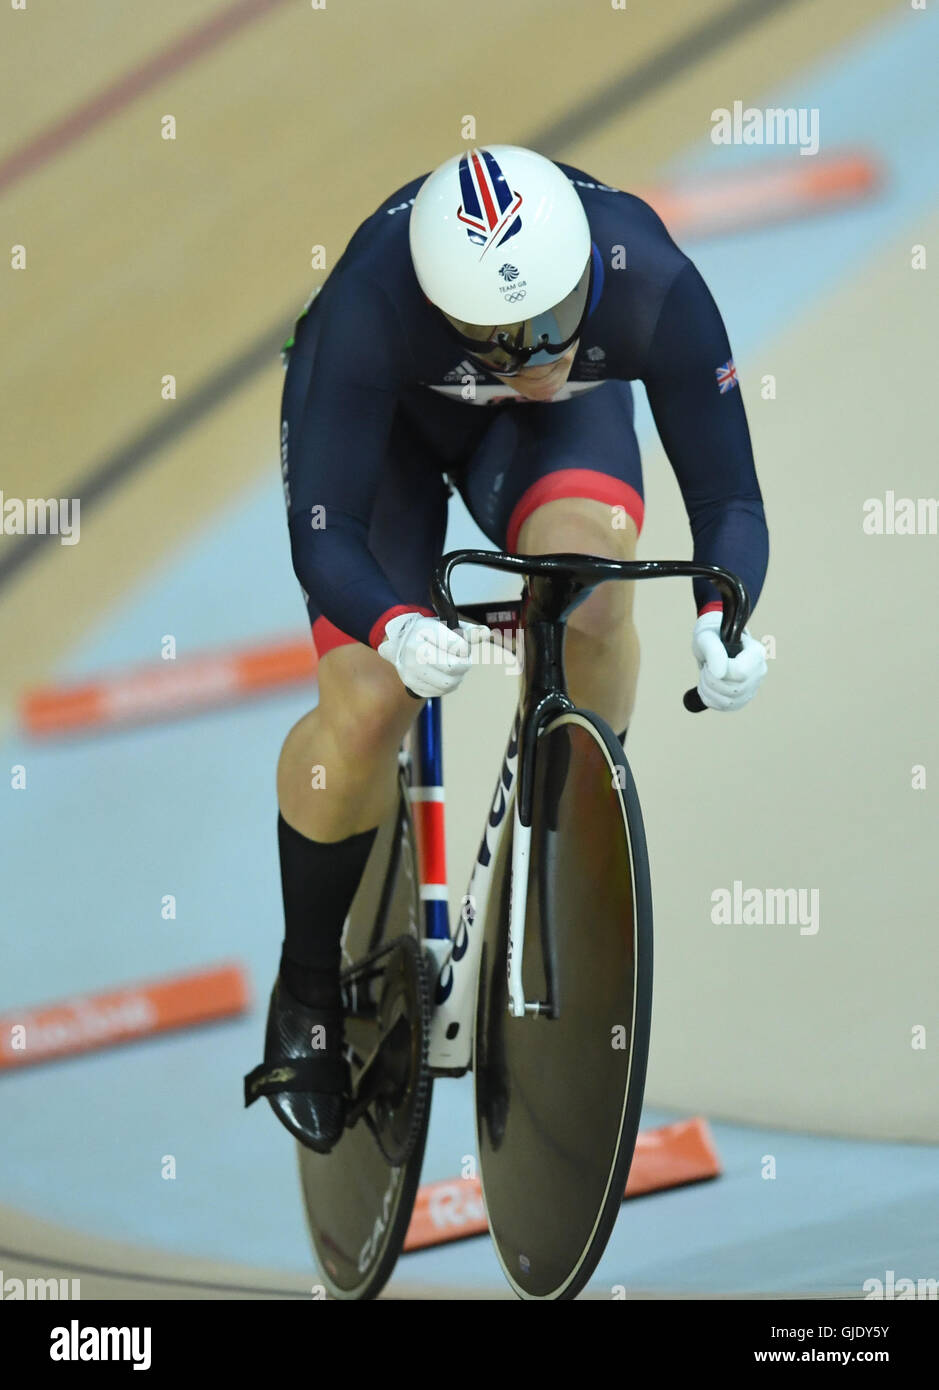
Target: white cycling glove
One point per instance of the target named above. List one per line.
(430, 657)
(726, 682)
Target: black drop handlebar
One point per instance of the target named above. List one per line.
(579, 573)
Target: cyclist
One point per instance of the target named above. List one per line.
(481, 331)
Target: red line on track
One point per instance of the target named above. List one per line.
(70, 129)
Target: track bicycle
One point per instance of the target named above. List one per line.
(544, 988)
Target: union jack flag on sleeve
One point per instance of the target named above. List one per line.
(726, 377)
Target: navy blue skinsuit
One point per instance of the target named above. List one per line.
(380, 402)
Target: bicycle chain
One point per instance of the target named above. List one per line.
(422, 1078)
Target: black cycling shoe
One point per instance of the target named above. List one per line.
(307, 1086)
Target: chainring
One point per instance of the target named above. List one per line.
(395, 1115)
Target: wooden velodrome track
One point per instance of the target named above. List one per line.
(148, 257)
(109, 1269)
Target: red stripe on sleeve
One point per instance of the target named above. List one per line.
(377, 631)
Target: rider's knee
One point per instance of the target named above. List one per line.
(606, 616)
(587, 530)
(366, 709)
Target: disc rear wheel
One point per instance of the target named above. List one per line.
(359, 1197)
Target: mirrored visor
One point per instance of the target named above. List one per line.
(506, 348)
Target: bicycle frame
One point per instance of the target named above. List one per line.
(456, 956)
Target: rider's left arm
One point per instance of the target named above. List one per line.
(705, 435)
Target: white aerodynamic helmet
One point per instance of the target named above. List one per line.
(501, 246)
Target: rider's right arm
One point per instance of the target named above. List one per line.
(335, 466)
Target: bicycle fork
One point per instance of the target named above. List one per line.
(518, 908)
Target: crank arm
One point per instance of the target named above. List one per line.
(371, 1083)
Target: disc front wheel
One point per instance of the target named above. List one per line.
(558, 1095)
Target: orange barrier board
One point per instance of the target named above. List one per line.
(91, 1021)
(167, 688)
(770, 192)
(666, 1157)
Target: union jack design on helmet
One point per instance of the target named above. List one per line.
(489, 206)
(472, 203)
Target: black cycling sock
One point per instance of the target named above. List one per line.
(319, 882)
